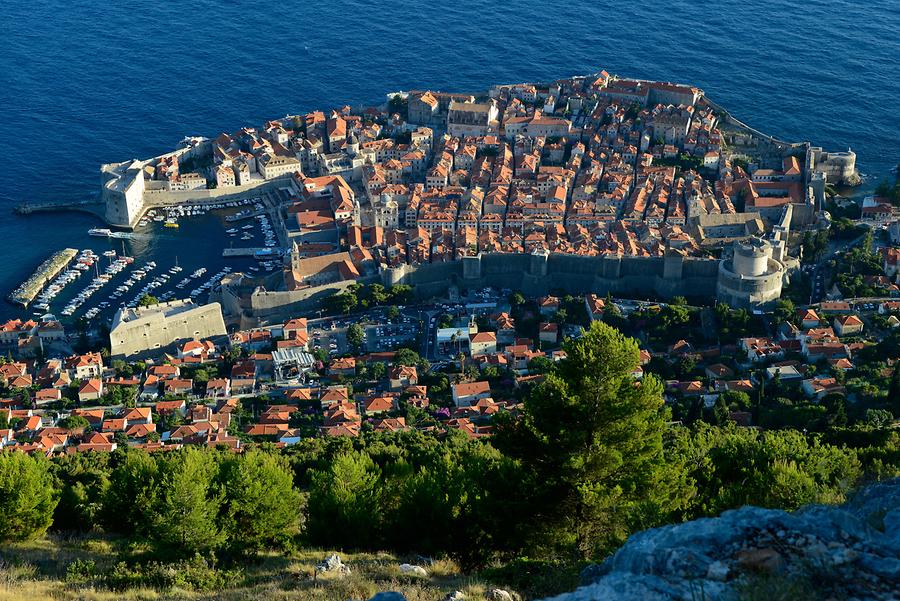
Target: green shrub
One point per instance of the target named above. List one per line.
(81, 571)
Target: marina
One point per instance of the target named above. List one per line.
(116, 269)
(49, 269)
(250, 252)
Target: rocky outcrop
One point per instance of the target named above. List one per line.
(333, 565)
(411, 570)
(842, 552)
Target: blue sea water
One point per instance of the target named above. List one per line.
(84, 82)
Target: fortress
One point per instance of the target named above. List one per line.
(751, 279)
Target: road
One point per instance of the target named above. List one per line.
(819, 275)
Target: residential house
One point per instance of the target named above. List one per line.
(81, 367)
(548, 332)
(808, 318)
(342, 366)
(482, 343)
(821, 386)
(846, 325)
(218, 388)
(403, 376)
(90, 390)
(468, 393)
(179, 386)
(595, 306)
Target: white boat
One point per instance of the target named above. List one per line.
(100, 231)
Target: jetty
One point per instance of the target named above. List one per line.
(251, 252)
(91, 206)
(46, 271)
(244, 215)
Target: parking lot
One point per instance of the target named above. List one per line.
(328, 335)
(379, 332)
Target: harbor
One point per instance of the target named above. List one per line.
(250, 252)
(176, 252)
(29, 290)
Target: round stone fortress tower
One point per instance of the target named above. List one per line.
(751, 278)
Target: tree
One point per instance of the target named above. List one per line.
(593, 437)
(345, 502)
(893, 395)
(201, 376)
(83, 481)
(185, 518)
(147, 299)
(879, 418)
(719, 414)
(27, 496)
(516, 299)
(393, 313)
(74, 422)
(342, 302)
(355, 335)
(262, 507)
(401, 293)
(836, 408)
(407, 357)
(377, 294)
(784, 311)
(540, 365)
(736, 398)
(734, 466)
(128, 503)
(378, 370)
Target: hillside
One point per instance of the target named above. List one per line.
(89, 568)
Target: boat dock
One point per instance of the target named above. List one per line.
(244, 215)
(49, 269)
(251, 252)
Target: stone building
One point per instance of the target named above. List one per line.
(752, 277)
(145, 331)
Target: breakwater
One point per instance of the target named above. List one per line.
(46, 271)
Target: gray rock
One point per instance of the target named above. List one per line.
(705, 558)
(387, 596)
(455, 596)
(718, 570)
(498, 594)
(593, 572)
(333, 564)
(411, 570)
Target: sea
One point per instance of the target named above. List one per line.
(84, 82)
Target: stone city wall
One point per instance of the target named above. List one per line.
(534, 275)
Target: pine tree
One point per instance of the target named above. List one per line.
(893, 397)
(593, 436)
(345, 502)
(185, 517)
(27, 496)
(262, 507)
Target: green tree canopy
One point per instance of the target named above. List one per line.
(345, 502)
(262, 507)
(128, 504)
(74, 422)
(185, 516)
(355, 335)
(27, 496)
(594, 438)
(147, 299)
